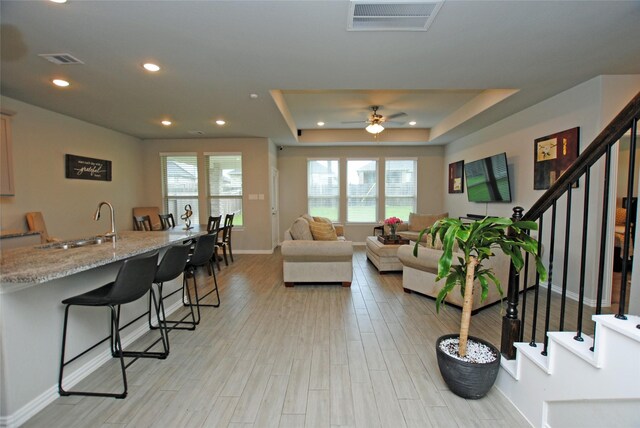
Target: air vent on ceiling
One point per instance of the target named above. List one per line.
(61, 58)
(195, 132)
(392, 16)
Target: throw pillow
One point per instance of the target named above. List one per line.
(417, 222)
(300, 230)
(308, 218)
(322, 220)
(323, 231)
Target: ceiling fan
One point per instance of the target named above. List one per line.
(375, 120)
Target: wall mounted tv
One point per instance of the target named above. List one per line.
(488, 179)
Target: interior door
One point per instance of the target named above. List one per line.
(275, 221)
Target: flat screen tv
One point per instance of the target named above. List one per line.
(488, 179)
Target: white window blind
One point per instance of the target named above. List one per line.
(400, 190)
(224, 172)
(323, 188)
(180, 185)
(362, 191)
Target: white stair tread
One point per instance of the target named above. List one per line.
(581, 349)
(534, 354)
(626, 327)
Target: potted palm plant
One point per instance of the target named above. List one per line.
(470, 365)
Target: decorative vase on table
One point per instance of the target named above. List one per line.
(393, 223)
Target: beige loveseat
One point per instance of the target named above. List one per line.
(419, 275)
(305, 259)
(417, 222)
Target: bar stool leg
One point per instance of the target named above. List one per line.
(215, 288)
(118, 345)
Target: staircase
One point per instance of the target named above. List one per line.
(570, 378)
(574, 386)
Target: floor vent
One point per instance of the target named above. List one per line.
(391, 16)
(61, 58)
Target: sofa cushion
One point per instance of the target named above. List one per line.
(323, 231)
(417, 222)
(300, 230)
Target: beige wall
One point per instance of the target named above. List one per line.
(41, 138)
(255, 235)
(590, 105)
(292, 163)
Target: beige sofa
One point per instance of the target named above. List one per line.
(306, 259)
(419, 275)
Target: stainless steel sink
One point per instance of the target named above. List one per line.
(77, 243)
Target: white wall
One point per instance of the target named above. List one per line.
(292, 163)
(590, 106)
(41, 138)
(255, 234)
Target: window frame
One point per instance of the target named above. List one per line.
(238, 221)
(376, 198)
(337, 198)
(164, 176)
(415, 185)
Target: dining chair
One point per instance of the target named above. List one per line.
(213, 228)
(167, 221)
(142, 223)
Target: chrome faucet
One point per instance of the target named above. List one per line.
(111, 234)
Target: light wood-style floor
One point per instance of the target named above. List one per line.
(308, 356)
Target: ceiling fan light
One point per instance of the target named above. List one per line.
(375, 128)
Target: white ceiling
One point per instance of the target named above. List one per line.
(305, 66)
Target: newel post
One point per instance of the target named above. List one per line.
(510, 321)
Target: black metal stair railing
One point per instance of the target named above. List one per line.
(525, 326)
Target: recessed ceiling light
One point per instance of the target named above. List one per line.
(166, 122)
(151, 67)
(61, 83)
(220, 122)
(253, 96)
(59, 1)
(412, 123)
(320, 123)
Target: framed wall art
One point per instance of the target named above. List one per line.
(553, 155)
(456, 177)
(83, 168)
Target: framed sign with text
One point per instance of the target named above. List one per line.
(83, 168)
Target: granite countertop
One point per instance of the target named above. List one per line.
(35, 265)
(17, 233)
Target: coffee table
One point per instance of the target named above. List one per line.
(383, 256)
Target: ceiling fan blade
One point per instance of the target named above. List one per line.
(356, 121)
(394, 122)
(393, 116)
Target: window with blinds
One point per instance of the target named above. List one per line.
(180, 185)
(224, 174)
(362, 191)
(323, 188)
(400, 189)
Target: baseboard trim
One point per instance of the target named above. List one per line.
(570, 294)
(30, 409)
(254, 251)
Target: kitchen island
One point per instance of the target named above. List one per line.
(33, 283)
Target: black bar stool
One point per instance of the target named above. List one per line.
(225, 241)
(213, 228)
(133, 281)
(202, 256)
(171, 266)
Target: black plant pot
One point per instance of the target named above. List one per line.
(468, 380)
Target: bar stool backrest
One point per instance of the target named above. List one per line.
(134, 279)
(167, 221)
(205, 246)
(172, 263)
(213, 224)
